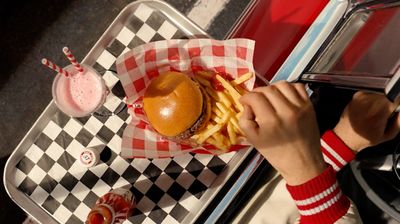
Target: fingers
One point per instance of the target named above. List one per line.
(258, 104)
(301, 89)
(277, 100)
(293, 92)
(247, 122)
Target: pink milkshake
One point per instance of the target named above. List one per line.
(80, 94)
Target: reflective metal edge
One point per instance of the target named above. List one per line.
(350, 81)
(312, 40)
(182, 23)
(354, 165)
(392, 90)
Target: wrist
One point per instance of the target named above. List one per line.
(347, 139)
(304, 174)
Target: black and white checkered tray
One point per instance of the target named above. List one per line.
(166, 190)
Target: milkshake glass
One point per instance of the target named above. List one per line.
(81, 93)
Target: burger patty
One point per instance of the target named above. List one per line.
(200, 123)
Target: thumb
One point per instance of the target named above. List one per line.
(247, 122)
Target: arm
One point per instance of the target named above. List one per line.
(279, 120)
(366, 121)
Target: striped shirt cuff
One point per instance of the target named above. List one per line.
(335, 152)
(320, 200)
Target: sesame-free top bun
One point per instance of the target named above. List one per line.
(173, 103)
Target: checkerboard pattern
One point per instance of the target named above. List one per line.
(166, 190)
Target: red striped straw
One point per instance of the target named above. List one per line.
(54, 67)
(72, 59)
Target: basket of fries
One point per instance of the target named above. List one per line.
(158, 76)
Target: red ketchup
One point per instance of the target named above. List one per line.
(217, 84)
(112, 208)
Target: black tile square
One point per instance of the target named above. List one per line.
(27, 186)
(66, 160)
(68, 181)
(176, 191)
(124, 114)
(83, 120)
(179, 35)
(100, 117)
(113, 68)
(118, 90)
(131, 174)
(155, 193)
(45, 162)
(216, 165)
(43, 141)
(63, 139)
(155, 20)
(108, 156)
(197, 188)
(106, 134)
(99, 68)
(25, 165)
(152, 172)
(136, 41)
(116, 48)
(61, 119)
(194, 167)
(135, 24)
(90, 199)
(110, 177)
(71, 202)
(73, 220)
(157, 214)
(51, 204)
(179, 212)
(173, 170)
(121, 130)
(157, 37)
(138, 195)
(89, 179)
(48, 184)
(84, 137)
(137, 216)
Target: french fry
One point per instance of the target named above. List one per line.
(216, 111)
(231, 134)
(212, 93)
(205, 74)
(203, 81)
(234, 93)
(221, 107)
(243, 78)
(241, 90)
(210, 129)
(223, 129)
(224, 98)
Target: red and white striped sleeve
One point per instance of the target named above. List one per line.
(335, 151)
(320, 200)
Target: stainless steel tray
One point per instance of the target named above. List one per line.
(193, 169)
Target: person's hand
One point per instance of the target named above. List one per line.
(279, 120)
(367, 121)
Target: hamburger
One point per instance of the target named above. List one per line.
(176, 106)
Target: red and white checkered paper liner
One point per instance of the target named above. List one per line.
(137, 67)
